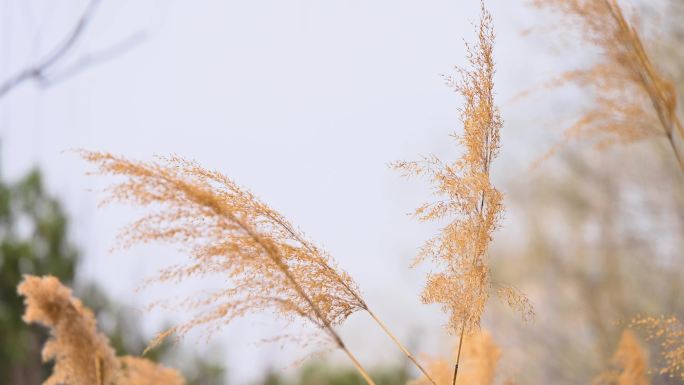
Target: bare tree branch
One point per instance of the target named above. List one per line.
(40, 72)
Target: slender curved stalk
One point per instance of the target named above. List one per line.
(677, 142)
(358, 366)
(399, 345)
(327, 327)
(382, 325)
(458, 355)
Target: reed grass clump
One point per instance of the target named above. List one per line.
(267, 263)
(81, 354)
(467, 199)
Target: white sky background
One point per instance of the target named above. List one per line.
(304, 102)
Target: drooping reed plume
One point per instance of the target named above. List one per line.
(480, 359)
(630, 364)
(669, 333)
(81, 354)
(269, 264)
(461, 284)
(632, 98)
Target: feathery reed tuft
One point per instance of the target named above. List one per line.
(633, 99)
(631, 366)
(81, 354)
(480, 358)
(269, 265)
(669, 332)
(468, 198)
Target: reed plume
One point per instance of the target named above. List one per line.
(480, 358)
(81, 354)
(631, 366)
(633, 99)
(271, 266)
(669, 332)
(462, 285)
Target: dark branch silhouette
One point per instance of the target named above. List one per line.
(44, 73)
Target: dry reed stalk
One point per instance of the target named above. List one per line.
(468, 198)
(271, 266)
(634, 100)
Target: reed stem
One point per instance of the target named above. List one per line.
(458, 355)
(358, 366)
(400, 345)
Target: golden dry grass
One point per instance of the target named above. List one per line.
(467, 199)
(480, 359)
(632, 98)
(630, 364)
(81, 354)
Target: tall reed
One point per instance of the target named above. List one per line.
(467, 198)
(633, 98)
(269, 265)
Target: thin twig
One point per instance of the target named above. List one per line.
(40, 71)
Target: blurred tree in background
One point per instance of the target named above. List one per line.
(34, 240)
(599, 242)
(33, 229)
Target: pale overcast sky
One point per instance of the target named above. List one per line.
(303, 101)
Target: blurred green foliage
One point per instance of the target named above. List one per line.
(34, 240)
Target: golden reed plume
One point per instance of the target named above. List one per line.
(669, 333)
(480, 358)
(82, 355)
(631, 366)
(270, 265)
(462, 285)
(633, 99)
